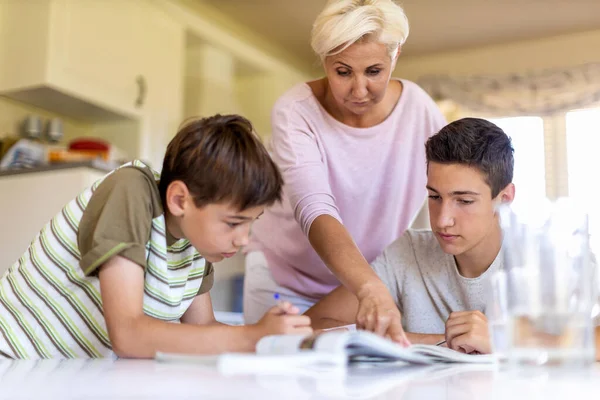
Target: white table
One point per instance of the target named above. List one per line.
(133, 379)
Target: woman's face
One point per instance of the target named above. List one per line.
(358, 76)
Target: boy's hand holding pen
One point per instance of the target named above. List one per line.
(285, 306)
(284, 319)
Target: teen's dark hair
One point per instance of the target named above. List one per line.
(477, 143)
(221, 159)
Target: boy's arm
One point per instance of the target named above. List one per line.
(136, 335)
(200, 312)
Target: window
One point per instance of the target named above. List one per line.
(583, 141)
(527, 135)
(554, 157)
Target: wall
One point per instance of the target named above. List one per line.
(539, 54)
(256, 95)
(13, 113)
(249, 94)
(229, 68)
(217, 28)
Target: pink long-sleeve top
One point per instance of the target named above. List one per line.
(370, 179)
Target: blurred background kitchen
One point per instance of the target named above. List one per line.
(88, 84)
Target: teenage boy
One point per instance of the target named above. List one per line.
(110, 272)
(439, 277)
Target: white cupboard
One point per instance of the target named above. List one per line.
(100, 54)
(29, 200)
(117, 64)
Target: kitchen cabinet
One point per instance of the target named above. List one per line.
(116, 64)
(29, 200)
(89, 59)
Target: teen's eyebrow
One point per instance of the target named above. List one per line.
(457, 192)
(464, 192)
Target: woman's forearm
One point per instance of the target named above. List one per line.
(337, 249)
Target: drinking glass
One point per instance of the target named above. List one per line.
(545, 294)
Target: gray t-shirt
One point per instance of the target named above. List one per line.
(426, 284)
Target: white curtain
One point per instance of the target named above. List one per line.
(533, 93)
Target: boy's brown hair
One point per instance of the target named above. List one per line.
(477, 143)
(221, 159)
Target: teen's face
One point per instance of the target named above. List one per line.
(218, 231)
(461, 208)
(358, 76)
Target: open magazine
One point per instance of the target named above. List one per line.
(364, 346)
(325, 352)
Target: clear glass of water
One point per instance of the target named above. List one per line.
(545, 294)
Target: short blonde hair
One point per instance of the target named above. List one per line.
(345, 22)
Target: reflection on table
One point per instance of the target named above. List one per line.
(98, 379)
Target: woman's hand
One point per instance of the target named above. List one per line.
(378, 313)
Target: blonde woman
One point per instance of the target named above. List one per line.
(351, 150)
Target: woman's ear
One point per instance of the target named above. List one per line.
(177, 193)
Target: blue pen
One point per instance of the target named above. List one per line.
(277, 298)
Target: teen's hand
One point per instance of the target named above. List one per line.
(378, 313)
(284, 319)
(467, 332)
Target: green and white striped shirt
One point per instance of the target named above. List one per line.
(50, 307)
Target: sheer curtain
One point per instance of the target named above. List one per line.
(537, 93)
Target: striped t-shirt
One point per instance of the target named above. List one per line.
(50, 303)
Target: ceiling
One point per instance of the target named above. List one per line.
(436, 25)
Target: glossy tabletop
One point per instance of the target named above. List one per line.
(133, 379)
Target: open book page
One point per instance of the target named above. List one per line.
(444, 354)
(347, 328)
(364, 346)
(284, 344)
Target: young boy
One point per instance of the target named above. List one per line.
(108, 274)
(438, 277)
